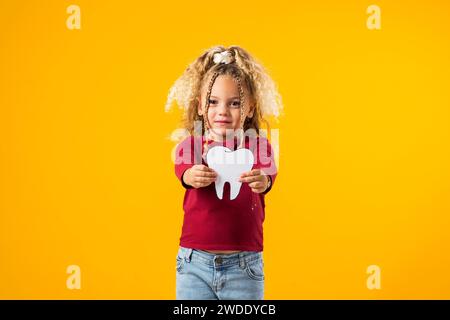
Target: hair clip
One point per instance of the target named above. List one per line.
(223, 57)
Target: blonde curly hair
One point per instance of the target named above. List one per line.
(242, 67)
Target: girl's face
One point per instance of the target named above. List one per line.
(224, 110)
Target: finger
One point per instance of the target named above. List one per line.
(256, 185)
(248, 173)
(199, 167)
(257, 190)
(251, 179)
(206, 174)
(205, 168)
(201, 185)
(203, 179)
(247, 179)
(253, 172)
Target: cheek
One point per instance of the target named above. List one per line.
(211, 115)
(236, 114)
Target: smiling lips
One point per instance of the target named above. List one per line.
(222, 122)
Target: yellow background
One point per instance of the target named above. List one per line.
(86, 176)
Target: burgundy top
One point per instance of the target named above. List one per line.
(214, 224)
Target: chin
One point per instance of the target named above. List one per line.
(224, 131)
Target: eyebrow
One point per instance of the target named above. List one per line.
(232, 98)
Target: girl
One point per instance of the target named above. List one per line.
(226, 94)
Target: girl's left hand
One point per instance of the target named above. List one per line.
(257, 180)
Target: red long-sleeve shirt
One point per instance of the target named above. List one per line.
(214, 224)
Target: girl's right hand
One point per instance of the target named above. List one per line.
(199, 176)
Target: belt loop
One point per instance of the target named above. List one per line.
(187, 254)
(241, 260)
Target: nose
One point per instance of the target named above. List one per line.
(223, 109)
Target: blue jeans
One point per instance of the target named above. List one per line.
(202, 275)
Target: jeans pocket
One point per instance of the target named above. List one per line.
(180, 259)
(180, 264)
(255, 270)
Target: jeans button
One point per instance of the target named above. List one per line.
(219, 260)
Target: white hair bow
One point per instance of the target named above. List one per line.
(223, 57)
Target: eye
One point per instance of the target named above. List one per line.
(236, 103)
(211, 101)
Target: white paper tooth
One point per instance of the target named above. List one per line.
(229, 165)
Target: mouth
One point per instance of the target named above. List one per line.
(222, 122)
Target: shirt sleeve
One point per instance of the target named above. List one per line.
(266, 161)
(184, 159)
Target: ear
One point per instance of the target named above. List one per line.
(199, 106)
(251, 111)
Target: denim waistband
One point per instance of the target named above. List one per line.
(208, 258)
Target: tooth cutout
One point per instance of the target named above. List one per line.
(229, 165)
